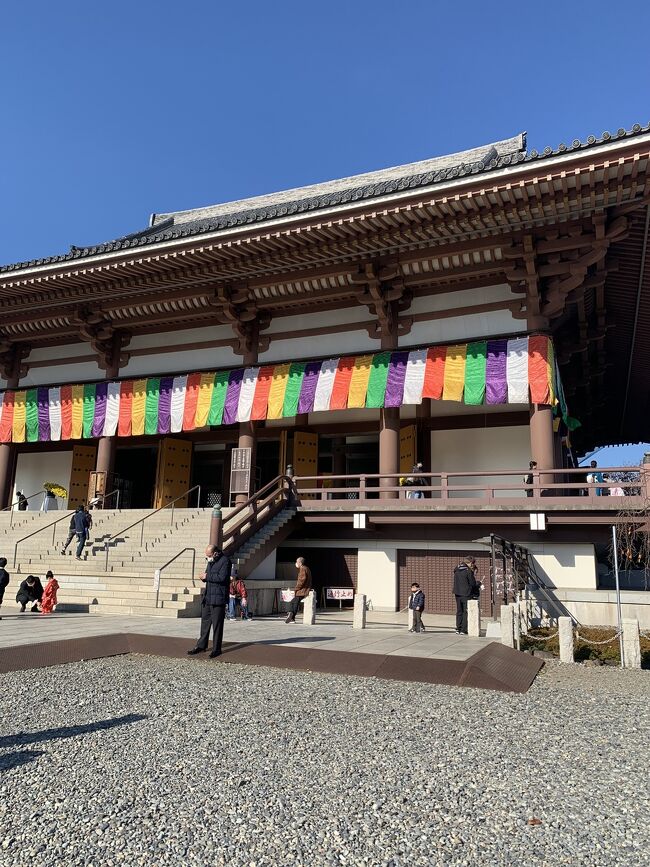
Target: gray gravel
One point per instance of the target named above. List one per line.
(209, 764)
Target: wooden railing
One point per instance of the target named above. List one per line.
(503, 487)
(244, 521)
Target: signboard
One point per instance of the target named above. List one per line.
(339, 593)
(240, 471)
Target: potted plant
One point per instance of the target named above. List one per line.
(52, 491)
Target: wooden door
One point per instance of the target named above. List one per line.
(84, 460)
(305, 459)
(173, 473)
(407, 448)
(434, 572)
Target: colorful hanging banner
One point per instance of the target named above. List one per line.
(520, 370)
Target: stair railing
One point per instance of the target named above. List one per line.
(168, 563)
(142, 521)
(247, 518)
(65, 517)
(17, 503)
(116, 494)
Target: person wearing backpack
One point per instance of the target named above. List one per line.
(466, 587)
(71, 531)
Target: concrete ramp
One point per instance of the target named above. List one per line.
(494, 667)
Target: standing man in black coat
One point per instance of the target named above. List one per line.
(213, 605)
(465, 587)
(4, 578)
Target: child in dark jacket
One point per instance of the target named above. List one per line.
(416, 604)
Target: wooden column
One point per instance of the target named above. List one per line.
(542, 446)
(248, 429)
(389, 424)
(107, 446)
(7, 458)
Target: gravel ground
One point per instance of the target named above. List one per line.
(138, 760)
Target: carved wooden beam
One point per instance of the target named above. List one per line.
(12, 357)
(106, 342)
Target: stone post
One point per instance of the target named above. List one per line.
(359, 615)
(309, 609)
(631, 644)
(410, 619)
(474, 618)
(565, 627)
(507, 625)
(216, 528)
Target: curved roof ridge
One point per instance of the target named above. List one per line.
(326, 196)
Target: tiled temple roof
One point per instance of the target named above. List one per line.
(358, 188)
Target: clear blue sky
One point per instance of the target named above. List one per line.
(114, 110)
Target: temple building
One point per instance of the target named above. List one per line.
(472, 313)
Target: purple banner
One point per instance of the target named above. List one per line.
(395, 381)
(43, 398)
(101, 390)
(308, 388)
(165, 404)
(496, 381)
(232, 396)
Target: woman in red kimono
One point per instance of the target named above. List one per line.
(48, 602)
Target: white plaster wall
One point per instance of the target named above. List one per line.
(181, 361)
(34, 468)
(566, 566)
(477, 449)
(377, 576)
(265, 571)
(54, 374)
(460, 328)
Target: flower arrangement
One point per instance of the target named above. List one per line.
(55, 489)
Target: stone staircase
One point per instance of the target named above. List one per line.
(126, 584)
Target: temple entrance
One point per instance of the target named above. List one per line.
(208, 471)
(135, 476)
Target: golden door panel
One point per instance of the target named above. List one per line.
(84, 460)
(305, 459)
(174, 471)
(407, 448)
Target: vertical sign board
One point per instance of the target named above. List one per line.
(240, 472)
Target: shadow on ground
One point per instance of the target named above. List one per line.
(22, 738)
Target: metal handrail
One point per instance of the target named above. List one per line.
(168, 563)
(40, 530)
(108, 496)
(172, 503)
(17, 503)
(278, 483)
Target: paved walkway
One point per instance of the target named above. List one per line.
(385, 634)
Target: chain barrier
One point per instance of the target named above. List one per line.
(539, 637)
(597, 643)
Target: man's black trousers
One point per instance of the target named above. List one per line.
(461, 613)
(212, 617)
